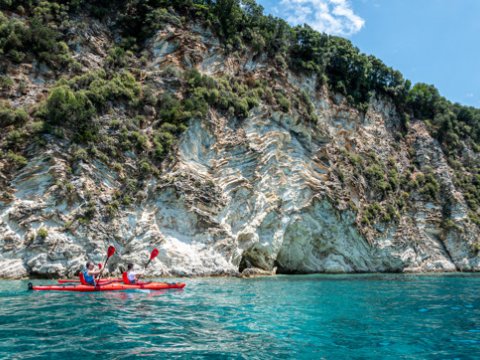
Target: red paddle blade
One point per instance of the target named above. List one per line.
(154, 254)
(111, 251)
(100, 266)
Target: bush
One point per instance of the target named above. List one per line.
(145, 167)
(118, 57)
(15, 137)
(5, 83)
(69, 188)
(65, 106)
(112, 208)
(22, 40)
(393, 179)
(67, 225)
(355, 159)
(36, 127)
(127, 200)
(429, 186)
(42, 233)
(170, 128)
(241, 107)
(140, 140)
(160, 16)
(170, 109)
(8, 116)
(283, 102)
(16, 159)
(117, 167)
(476, 247)
(89, 212)
(122, 86)
(371, 213)
(159, 151)
(80, 155)
(375, 175)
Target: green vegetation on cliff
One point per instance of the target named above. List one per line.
(35, 34)
(41, 29)
(112, 112)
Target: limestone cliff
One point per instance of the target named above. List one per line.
(280, 187)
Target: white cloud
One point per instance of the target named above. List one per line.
(334, 17)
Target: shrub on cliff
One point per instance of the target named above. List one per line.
(6, 83)
(424, 99)
(121, 86)
(42, 233)
(282, 102)
(22, 40)
(16, 159)
(65, 106)
(9, 116)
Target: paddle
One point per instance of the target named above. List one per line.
(110, 252)
(153, 255)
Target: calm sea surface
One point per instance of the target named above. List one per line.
(286, 317)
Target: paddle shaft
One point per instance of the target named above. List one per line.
(110, 252)
(153, 255)
(103, 267)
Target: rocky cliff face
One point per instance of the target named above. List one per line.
(270, 190)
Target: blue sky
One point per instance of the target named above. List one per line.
(431, 41)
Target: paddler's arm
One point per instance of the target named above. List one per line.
(95, 272)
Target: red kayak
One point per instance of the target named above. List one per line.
(109, 287)
(68, 281)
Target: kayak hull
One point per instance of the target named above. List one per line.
(109, 287)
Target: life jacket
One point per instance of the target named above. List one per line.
(82, 278)
(125, 279)
(86, 279)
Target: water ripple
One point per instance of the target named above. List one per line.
(361, 317)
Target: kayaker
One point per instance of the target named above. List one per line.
(131, 275)
(90, 273)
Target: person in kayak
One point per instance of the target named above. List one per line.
(131, 275)
(90, 273)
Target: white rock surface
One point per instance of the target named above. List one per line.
(247, 195)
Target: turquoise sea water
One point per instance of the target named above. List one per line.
(291, 317)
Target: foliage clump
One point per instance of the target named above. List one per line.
(65, 106)
(42, 233)
(10, 116)
(38, 37)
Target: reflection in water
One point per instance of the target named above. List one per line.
(364, 317)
